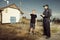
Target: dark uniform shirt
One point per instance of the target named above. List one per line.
(47, 13)
(33, 18)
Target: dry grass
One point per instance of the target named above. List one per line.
(19, 31)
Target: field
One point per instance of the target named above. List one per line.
(19, 31)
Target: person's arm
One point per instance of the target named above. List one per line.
(36, 22)
(50, 13)
(42, 15)
(30, 14)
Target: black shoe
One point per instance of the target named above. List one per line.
(33, 32)
(47, 37)
(43, 34)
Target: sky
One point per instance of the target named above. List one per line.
(28, 5)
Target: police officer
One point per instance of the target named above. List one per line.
(46, 21)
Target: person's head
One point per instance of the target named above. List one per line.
(33, 11)
(46, 6)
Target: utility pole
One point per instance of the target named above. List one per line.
(7, 2)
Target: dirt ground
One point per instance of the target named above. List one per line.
(19, 31)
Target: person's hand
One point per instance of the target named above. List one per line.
(42, 15)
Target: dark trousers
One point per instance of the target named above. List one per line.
(46, 27)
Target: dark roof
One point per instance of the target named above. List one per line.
(1, 11)
(12, 6)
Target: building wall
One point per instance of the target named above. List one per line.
(0, 17)
(8, 13)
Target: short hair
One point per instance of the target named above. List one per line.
(33, 10)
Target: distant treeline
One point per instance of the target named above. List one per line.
(55, 20)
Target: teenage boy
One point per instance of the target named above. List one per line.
(32, 21)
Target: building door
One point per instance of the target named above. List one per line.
(13, 19)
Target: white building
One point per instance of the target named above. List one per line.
(10, 14)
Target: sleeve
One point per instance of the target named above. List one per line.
(49, 13)
(30, 14)
(36, 16)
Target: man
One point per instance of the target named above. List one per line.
(46, 21)
(32, 21)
